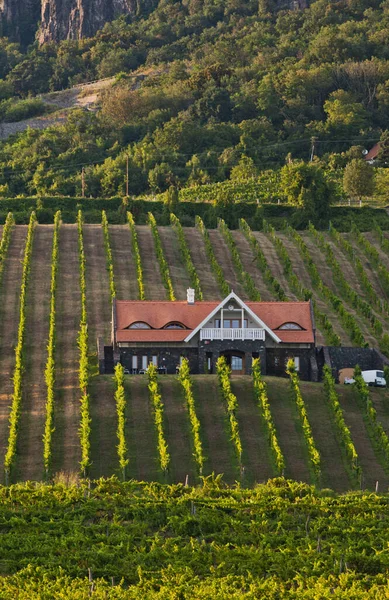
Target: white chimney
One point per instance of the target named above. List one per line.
(190, 295)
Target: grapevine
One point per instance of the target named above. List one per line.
(163, 265)
(156, 400)
(186, 384)
(185, 252)
(223, 373)
(138, 260)
(216, 268)
(121, 403)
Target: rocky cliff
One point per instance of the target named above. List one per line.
(74, 19)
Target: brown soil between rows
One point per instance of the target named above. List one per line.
(124, 266)
(66, 441)
(154, 288)
(288, 428)
(273, 261)
(178, 432)
(372, 238)
(249, 264)
(371, 469)
(178, 273)
(300, 270)
(32, 418)
(334, 473)
(215, 435)
(98, 300)
(9, 322)
(369, 269)
(209, 285)
(223, 257)
(256, 452)
(326, 274)
(140, 428)
(103, 448)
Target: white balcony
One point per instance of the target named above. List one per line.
(232, 334)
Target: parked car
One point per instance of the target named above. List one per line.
(370, 377)
(126, 372)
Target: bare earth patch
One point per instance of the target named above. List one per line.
(154, 288)
(66, 441)
(30, 459)
(256, 452)
(124, 266)
(9, 322)
(208, 282)
(178, 272)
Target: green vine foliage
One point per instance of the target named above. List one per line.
(374, 257)
(344, 433)
(5, 240)
(363, 279)
(216, 268)
(375, 427)
(50, 363)
(121, 404)
(313, 452)
(301, 292)
(163, 264)
(348, 293)
(185, 253)
(245, 278)
(108, 254)
(156, 400)
(15, 412)
(138, 260)
(261, 262)
(231, 402)
(85, 420)
(186, 383)
(261, 396)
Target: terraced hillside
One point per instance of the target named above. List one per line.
(264, 256)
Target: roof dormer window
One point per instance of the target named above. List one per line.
(139, 325)
(290, 326)
(174, 325)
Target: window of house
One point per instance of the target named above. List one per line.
(235, 323)
(227, 324)
(155, 361)
(297, 363)
(134, 362)
(294, 326)
(174, 326)
(144, 362)
(139, 325)
(218, 323)
(236, 363)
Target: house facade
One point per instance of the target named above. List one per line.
(163, 333)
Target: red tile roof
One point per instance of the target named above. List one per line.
(159, 314)
(373, 153)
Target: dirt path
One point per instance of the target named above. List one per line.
(154, 288)
(256, 453)
(218, 449)
(178, 272)
(103, 439)
(141, 436)
(223, 256)
(178, 433)
(372, 470)
(124, 266)
(9, 321)
(275, 266)
(288, 428)
(250, 265)
(334, 473)
(66, 442)
(208, 282)
(32, 419)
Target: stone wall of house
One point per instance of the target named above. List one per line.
(218, 347)
(168, 358)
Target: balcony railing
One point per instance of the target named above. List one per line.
(232, 334)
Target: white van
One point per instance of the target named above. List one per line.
(370, 377)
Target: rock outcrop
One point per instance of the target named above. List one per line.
(74, 19)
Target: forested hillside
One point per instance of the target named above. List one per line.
(204, 90)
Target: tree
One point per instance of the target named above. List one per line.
(383, 154)
(305, 185)
(358, 179)
(244, 170)
(172, 198)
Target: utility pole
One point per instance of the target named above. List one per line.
(127, 177)
(83, 181)
(313, 142)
